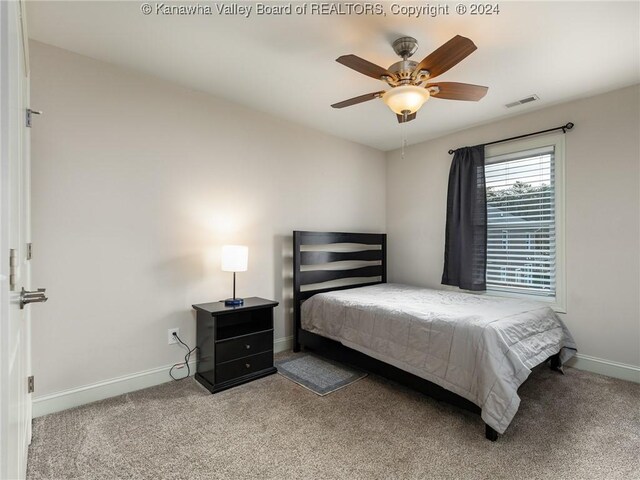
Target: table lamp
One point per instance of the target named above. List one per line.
(234, 259)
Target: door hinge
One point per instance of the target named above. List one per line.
(13, 266)
(29, 251)
(30, 386)
(29, 116)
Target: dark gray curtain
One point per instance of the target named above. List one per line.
(465, 251)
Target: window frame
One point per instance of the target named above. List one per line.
(559, 301)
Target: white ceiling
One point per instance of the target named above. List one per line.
(284, 65)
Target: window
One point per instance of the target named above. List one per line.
(525, 212)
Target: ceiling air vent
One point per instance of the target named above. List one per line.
(522, 101)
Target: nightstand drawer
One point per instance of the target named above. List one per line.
(228, 350)
(243, 366)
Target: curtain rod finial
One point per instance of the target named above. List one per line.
(451, 152)
(566, 127)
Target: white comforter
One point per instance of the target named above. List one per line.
(478, 346)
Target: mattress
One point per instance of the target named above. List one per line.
(480, 347)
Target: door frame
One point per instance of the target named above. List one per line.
(26, 166)
(12, 12)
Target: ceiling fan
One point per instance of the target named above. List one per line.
(407, 78)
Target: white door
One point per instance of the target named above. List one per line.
(15, 401)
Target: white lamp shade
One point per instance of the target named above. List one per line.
(235, 258)
(405, 98)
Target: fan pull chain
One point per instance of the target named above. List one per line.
(404, 138)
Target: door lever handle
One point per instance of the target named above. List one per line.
(36, 296)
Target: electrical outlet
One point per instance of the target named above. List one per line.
(172, 339)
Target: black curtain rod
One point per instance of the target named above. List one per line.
(564, 129)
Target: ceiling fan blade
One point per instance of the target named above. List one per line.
(401, 118)
(355, 100)
(447, 56)
(365, 67)
(458, 91)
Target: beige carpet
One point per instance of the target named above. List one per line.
(577, 426)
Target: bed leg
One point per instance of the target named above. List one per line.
(555, 364)
(490, 433)
(296, 347)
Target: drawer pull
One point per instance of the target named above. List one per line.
(248, 365)
(248, 346)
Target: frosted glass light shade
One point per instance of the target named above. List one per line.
(235, 258)
(405, 98)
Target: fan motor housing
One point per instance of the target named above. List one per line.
(403, 69)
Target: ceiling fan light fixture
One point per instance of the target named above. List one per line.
(406, 78)
(405, 98)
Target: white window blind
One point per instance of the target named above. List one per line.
(521, 230)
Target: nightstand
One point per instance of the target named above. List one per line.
(235, 343)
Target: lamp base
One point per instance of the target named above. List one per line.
(233, 302)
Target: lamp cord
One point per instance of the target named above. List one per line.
(186, 360)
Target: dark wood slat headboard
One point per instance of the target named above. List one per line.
(312, 265)
(310, 258)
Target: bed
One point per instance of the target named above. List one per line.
(470, 350)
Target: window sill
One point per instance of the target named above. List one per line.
(553, 302)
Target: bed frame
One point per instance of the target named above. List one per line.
(310, 270)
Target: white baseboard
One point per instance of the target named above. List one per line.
(283, 344)
(73, 397)
(622, 371)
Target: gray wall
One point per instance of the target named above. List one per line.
(602, 214)
(136, 185)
